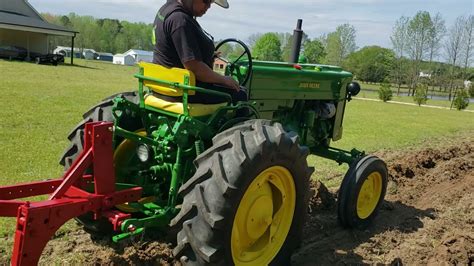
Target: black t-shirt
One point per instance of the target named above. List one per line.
(179, 38)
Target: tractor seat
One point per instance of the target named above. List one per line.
(173, 75)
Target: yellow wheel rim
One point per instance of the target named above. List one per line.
(369, 195)
(123, 154)
(264, 217)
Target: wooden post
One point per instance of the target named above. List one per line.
(72, 49)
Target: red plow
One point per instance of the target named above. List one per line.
(38, 221)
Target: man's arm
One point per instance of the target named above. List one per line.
(205, 74)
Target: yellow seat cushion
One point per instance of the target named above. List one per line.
(195, 109)
(174, 75)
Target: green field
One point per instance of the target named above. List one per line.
(39, 105)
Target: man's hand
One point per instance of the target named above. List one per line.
(231, 83)
(205, 74)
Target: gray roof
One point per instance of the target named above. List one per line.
(20, 7)
(21, 13)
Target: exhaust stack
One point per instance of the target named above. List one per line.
(296, 47)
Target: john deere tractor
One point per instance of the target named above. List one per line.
(233, 188)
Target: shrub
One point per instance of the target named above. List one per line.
(462, 100)
(385, 92)
(421, 94)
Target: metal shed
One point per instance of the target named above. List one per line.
(21, 25)
(124, 59)
(140, 55)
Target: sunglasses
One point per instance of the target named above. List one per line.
(208, 2)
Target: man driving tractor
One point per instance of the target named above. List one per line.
(181, 42)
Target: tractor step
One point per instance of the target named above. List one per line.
(38, 221)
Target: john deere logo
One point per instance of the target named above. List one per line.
(309, 85)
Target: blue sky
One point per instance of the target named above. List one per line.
(373, 19)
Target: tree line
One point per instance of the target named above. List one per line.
(418, 43)
(102, 35)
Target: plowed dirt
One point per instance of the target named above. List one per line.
(427, 218)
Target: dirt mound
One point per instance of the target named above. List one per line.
(427, 218)
(77, 247)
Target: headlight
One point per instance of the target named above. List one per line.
(143, 152)
(353, 88)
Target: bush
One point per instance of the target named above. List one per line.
(421, 94)
(471, 90)
(385, 92)
(461, 101)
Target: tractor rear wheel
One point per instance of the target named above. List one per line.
(100, 112)
(247, 202)
(362, 192)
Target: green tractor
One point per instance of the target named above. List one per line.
(232, 188)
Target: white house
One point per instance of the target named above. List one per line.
(124, 59)
(21, 25)
(140, 55)
(467, 84)
(425, 75)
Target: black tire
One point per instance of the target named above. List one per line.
(223, 174)
(100, 112)
(358, 173)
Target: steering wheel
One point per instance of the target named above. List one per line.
(233, 66)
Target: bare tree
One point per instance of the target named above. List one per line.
(453, 46)
(399, 40)
(419, 35)
(347, 35)
(468, 43)
(436, 33)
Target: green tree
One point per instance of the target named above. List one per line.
(314, 51)
(340, 44)
(103, 35)
(267, 47)
(461, 101)
(286, 40)
(385, 92)
(421, 94)
(371, 63)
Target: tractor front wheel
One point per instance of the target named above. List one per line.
(362, 192)
(247, 202)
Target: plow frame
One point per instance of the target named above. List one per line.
(38, 221)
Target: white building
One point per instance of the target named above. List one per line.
(124, 59)
(467, 84)
(425, 75)
(140, 55)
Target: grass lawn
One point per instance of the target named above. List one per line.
(406, 99)
(40, 104)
